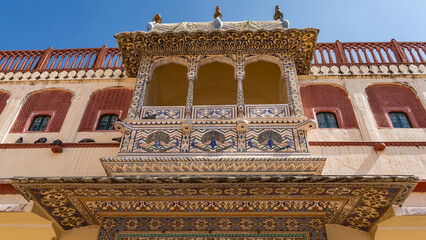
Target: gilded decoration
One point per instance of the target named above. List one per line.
(213, 137)
(208, 140)
(299, 43)
(264, 203)
(157, 141)
(205, 236)
(130, 166)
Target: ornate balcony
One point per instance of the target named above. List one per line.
(264, 111)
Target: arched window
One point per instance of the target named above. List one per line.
(107, 122)
(318, 98)
(327, 120)
(106, 101)
(400, 120)
(40, 123)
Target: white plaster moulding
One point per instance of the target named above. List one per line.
(63, 75)
(118, 73)
(368, 70)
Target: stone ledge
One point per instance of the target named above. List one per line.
(63, 75)
(368, 69)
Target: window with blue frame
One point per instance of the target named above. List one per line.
(400, 120)
(40, 123)
(327, 120)
(107, 122)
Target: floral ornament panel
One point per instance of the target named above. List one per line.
(205, 140)
(213, 112)
(162, 112)
(268, 111)
(270, 140)
(196, 206)
(157, 141)
(225, 228)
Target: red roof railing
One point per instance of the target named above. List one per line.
(369, 53)
(326, 54)
(60, 59)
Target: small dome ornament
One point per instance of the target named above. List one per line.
(279, 16)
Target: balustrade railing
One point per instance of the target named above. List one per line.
(369, 53)
(337, 53)
(60, 59)
(216, 111)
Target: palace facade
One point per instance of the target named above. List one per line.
(214, 130)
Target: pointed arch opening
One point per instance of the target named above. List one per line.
(263, 84)
(215, 85)
(168, 86)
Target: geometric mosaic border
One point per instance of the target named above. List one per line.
(213, 236)
(185, 165)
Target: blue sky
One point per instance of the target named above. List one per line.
(60, 24)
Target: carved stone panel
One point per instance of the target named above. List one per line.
(270, 140)
(213, 140)
(160, 141)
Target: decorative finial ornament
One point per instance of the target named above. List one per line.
(217, 13)
(157, 19)
(278, 14)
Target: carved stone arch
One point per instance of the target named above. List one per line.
(212, 59)
(215, 76)
(265, 58)
(168, 83)
(167, 60)
(263, 82)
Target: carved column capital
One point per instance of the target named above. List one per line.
(239, 64)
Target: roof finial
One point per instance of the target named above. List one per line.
(217, 13)
(157, 18)
(278, 14)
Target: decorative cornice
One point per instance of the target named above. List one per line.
(63, 75)
(394, 144)
(65, 145)
(317, 70)
(300, 43)
(363, 69)
(88, 198)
